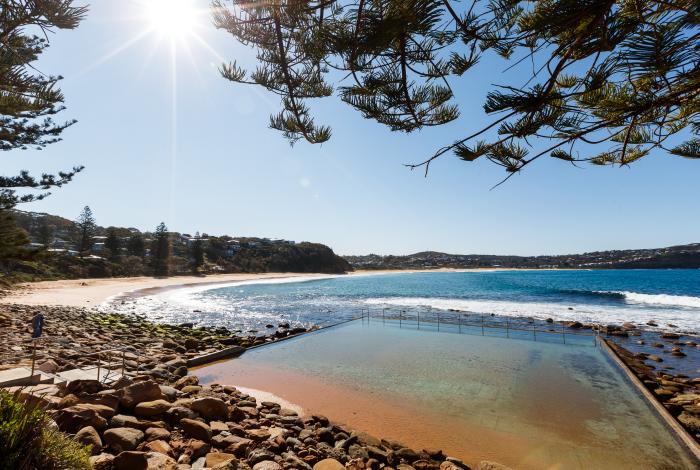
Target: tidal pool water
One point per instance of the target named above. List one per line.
(527, 404)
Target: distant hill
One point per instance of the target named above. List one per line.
(55, 238)
(681, 256)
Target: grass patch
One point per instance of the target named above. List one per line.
(26, 442)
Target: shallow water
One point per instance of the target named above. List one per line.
(611, 296)
(528, 404)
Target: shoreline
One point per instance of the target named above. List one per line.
(93, 292)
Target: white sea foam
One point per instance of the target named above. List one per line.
(683, 318)
(661, 299)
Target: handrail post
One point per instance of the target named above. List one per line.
(419, 319)
(438, 318)
(98, 366)
(563, 333)
(507, 328)
(460, 322)
(123, 362)
(400, 314)
(534, 332)
(383, 312)
(33, 355)
(482, 325)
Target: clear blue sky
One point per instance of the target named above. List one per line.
(211, 164)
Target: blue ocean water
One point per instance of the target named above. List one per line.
(610, 296)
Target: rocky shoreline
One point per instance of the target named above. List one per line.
(158, 417)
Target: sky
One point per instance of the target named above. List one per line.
(164, 137)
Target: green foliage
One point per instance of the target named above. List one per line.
(86, 230)
(606, 81)
(13, 241)
(29, 98)
(135, 246)
(113, 244)
(26, 443)
(160, 251)
(196, 250)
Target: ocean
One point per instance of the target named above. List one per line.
(607, 297)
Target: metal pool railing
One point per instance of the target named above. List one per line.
(464, 322)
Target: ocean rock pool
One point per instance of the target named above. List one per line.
(527, 404)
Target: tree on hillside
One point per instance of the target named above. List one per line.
(160, 251)
(602, 81)
(87, 229)
(45, 232)
(135, 246)
(113, 244)
(13, 241)
(196, 253)
(30, 98)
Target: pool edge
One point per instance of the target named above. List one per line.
(671, 423)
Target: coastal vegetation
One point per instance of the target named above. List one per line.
(52, 247)
(599, 81)
(27, 443)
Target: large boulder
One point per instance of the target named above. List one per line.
(210, 407)
(123, 439)
(154, 434)
(138, 392)
(267, 465)
(88, 436)
(329, 464)
(74, 418)
(215, 458)
(151, 408)
(158, 461)
(196, 429)
(131, 460)
(102, 462)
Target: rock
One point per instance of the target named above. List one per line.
(259, 455)
(123, 439)
(218, 426)
(364, 439)
(187, 380)
(267, 465)
(652, 323)
(210, 407)
(575, 324)
(151, 408)
(170, 393)
(74, 418)
(669, 335)
(153, 434)
(159, 446)
(102, 410)
(102, 461)
(258, 434)
(487, 465)
(50, 366)
(191, 343)
(407, 454)
(125, 421)
(88, 436)
(216, 458)
(655, 358)
(191, 389)
(196, 429)
(158, 461)
(690, 421)
(329, 464)
(131, 460)
(78, 387)
(139, 392)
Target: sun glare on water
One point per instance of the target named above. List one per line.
(172, 18)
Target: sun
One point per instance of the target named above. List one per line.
(172, 18)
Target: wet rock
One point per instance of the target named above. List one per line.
(196, 429)
(669, 335)
(690, 421)
(88, 436)
(407, 454)
(123, 439)
(187, 380)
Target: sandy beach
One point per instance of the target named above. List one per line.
(93, 292)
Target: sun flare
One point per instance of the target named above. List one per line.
(173, 18)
